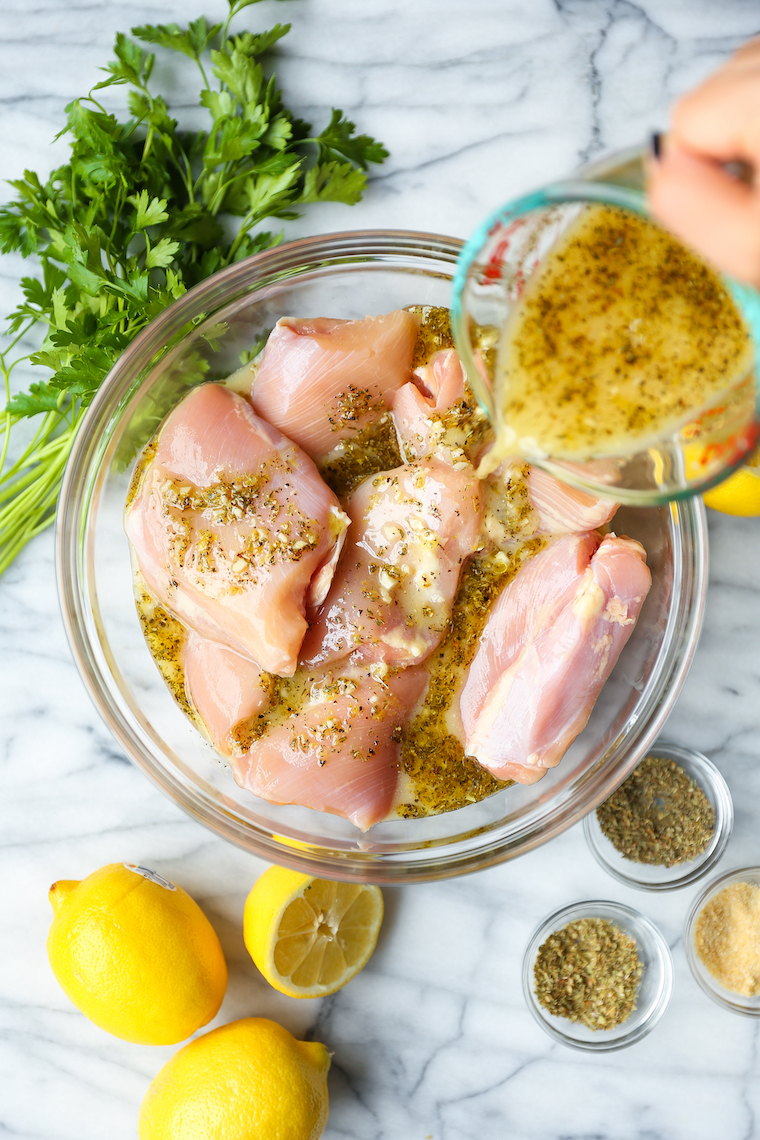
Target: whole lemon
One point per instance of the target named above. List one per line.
(249, 1080)
(136, 954)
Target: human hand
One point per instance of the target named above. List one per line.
(689, 188)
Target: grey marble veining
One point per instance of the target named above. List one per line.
(476, 102)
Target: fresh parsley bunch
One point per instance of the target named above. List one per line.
(133, 220)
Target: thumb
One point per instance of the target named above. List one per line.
(709, 209)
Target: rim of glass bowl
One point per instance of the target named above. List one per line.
(736, 1003)
(408, 862)
(704, 771)
(590, 186)
(600, 908)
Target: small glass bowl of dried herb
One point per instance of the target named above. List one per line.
(597, 976)
(667, 825)
(722, 940)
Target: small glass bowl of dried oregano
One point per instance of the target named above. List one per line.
(722, 940)
(597, 976)
(667, 825)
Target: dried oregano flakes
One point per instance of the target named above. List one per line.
(589, 971)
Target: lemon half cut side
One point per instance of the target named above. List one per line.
(309, 936)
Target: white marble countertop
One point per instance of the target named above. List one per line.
(432, 1041)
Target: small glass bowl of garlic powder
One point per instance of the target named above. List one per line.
(722, 940)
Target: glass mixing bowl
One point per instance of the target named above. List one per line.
(200, 337)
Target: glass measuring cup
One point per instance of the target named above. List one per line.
(688, 456)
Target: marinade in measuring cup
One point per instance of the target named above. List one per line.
(603, 349)
(619, 337)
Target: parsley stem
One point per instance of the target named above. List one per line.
(7, 425)
(203, 73)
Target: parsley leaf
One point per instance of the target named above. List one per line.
(148, 211)
(134, 218)
(333, 182)
(338, 140)
(191, 41)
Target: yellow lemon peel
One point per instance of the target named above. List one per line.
(136, 954)
(248, 1080)
(740, 493)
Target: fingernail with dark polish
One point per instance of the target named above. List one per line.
(656, 145)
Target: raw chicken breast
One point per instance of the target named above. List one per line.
(531, 601)
(233, 529)
(562, 508)
(320, 380)
(224, 688)
(560, 650)
(390, 600)
(419, 408)
(339, 752)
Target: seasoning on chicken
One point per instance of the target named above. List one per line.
(411, 531)
(431, 414)
(553, 642)
(233, 529)
(321, 380)
(338, 751)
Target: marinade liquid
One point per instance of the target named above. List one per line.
(620, 337)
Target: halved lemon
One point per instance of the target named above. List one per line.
(308, 936)
(740, 493)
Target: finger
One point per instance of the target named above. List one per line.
(747, 53)
(708, 209)
(721, 118)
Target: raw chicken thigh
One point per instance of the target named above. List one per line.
(420, 406)
(411, 531)
(550, 643)
(530, 602)
(223, 687)
(562, 508)
(233, 529)
(339, 752)
(320, 380)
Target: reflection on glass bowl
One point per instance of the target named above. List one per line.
(201, 337)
